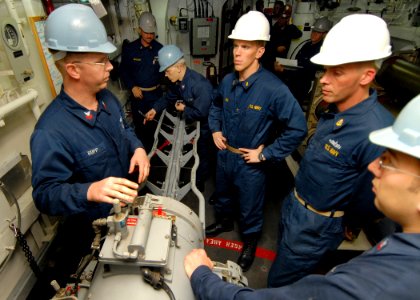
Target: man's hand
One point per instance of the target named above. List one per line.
(278, 67)
(219, 140)
(149, 116)
(111, 188)
(137, 92)
(141, 161)
(179, 106)
(251, 155)
(196, 258)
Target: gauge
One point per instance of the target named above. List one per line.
(10, 36)
(14, 47)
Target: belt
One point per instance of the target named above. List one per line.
(233, 150)
(329, 214)
(149, 89)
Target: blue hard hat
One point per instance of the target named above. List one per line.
(76, 28)
(168, 56)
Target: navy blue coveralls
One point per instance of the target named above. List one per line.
(140, 67)
(390, 270)
(283, 37)
(299, 81)
(71, 148)
(197, 94)
(279, 37)
(245, 111)
(332, 174)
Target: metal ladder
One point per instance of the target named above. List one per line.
(182, 137)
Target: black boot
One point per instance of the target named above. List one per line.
(217, 228)
(247, 256)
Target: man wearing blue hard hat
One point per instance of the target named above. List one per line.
(82, 149)
(192, 94)
(391, 269)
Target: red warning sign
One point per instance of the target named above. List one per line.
(237, 246)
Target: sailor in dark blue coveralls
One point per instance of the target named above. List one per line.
(191, 94)
(282, 33)
(390, 270)
(332, 174)
(139, 71)
(249, 101)
(299, 80)
(82, 149)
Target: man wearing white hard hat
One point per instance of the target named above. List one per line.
(250, 101)
(332, 176)
(391, 269)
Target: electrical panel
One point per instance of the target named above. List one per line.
(183, 24)
(203, 39)
(19, 60)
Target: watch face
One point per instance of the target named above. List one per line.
(10, 36)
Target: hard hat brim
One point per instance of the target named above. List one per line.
(326, 59)
(161, 69)
(108, 48)
(318, 30)
(387, 138)
(321, 59)
(234, 36)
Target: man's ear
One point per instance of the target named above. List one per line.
(368, 76)
(260, 52)
(72, 71)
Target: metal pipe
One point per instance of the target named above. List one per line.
(31, 95)
(28, 6)
(115, 22)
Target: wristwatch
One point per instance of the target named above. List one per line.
(261, 156)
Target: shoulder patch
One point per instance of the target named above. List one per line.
(382, 244)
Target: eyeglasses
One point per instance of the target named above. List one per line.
(102, 63)
(390, 168)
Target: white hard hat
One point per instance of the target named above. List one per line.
(356, 38)
(252, 26)
(404, 135)
(76, 28)
(147, 22)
